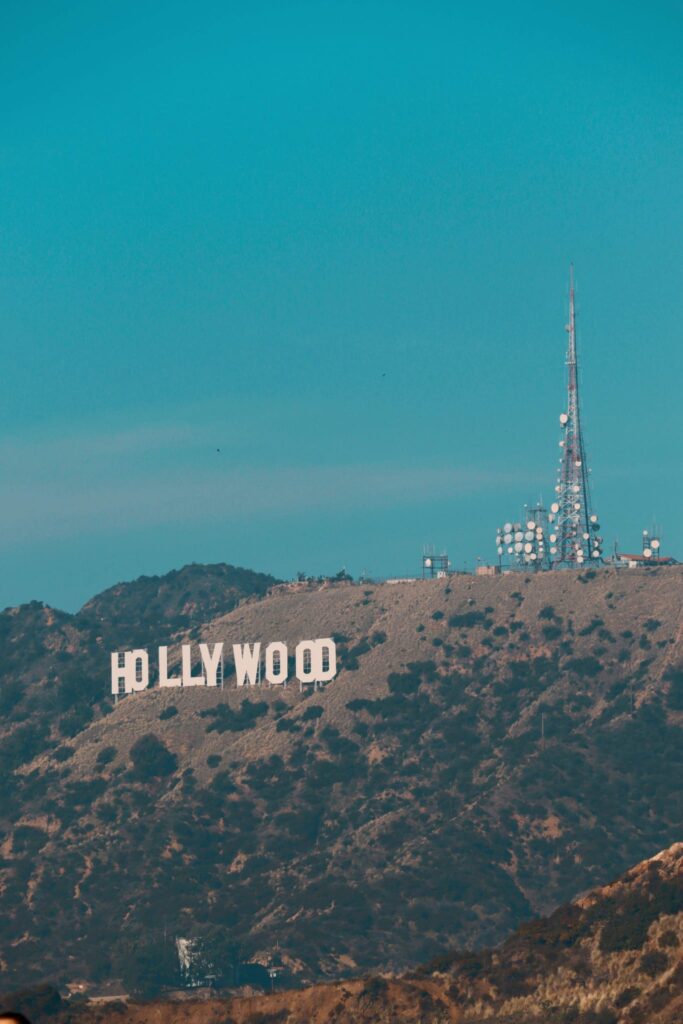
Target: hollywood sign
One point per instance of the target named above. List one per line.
(315, 662)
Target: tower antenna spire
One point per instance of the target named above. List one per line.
(575, 526)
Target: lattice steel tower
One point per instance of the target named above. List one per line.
(575, 528)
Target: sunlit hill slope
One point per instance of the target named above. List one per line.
(490, 748)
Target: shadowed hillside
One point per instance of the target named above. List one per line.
(615, 956)
(490, 748)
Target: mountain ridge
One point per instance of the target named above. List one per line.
(468, 769)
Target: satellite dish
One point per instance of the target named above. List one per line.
(428, 562)
(558, 488)
(561, 444)
(533, 556)
(647, 552)
(553, 538)
(553, 551)
(576, 488)
(586, 536)
(594, 519)
(554, 507)
(578, 462)
(508, 538)
(529, 535)
(507, 527)
(518, 547)
(500, 550)
(519, 535)
(531, 525)
(528, 548)
(510, 550)
(644, 533)
(655, 544)
(563, 418)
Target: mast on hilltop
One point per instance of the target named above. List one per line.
(575, 528)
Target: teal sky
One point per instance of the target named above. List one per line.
(332, 240)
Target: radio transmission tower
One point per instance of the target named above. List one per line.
(575, 538)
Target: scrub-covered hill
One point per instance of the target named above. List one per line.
(54, 667)
(614, 956)
(490, 748)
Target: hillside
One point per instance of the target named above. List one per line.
(490, 748)
(54, 667)
(615, 956)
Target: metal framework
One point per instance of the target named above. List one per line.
(524, 544)
(434, 565)
(575, 527)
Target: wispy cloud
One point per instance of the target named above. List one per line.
(59, 487)
(55, 455)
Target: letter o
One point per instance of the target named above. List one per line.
(279, 677)
(137, 671)
(307, 667)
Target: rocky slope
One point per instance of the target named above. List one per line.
(491, 747)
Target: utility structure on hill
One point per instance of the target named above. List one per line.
(574, 536)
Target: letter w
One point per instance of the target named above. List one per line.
(246, 663)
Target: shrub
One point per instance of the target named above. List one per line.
(552, 632)
(591, 627)
(626, 996)
(213, 760)
(653, 963)
(28, 839)
(547, 612)
(222, 783)
(287, 725)
(588, 666)
(170, 712)
(376, 988)
(106, 812)
(227, 720)
(105, 756)
(467, 619)
(84, 792)
(63, 753)
(151, 758)
(312, 712)
(359, 704)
